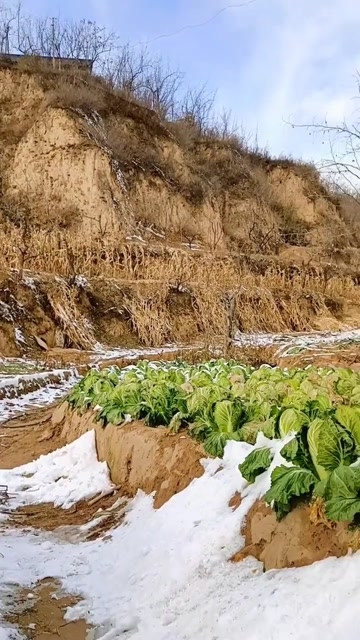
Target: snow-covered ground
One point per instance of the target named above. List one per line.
(61, 477)
(285, 342)
(165, 575)
(288, 341)
(56, 384)
(101, 354)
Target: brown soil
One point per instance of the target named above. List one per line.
(138, 457)
(106, 511)
(235, 501)
(347, 356)
(41, 616)
(296, 541)
(27, 437)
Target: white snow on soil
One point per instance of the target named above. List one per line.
(101, 353)
(47, 394)
(165, 574)
(64, 477)
(303, 340)
(20, 381)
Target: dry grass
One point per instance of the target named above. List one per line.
(268, 296)
(317, 514)
(149, 317)
(75, 326)
(254, 355)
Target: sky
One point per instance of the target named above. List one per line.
(272, 62)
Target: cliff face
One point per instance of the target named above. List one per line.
(166, 224)
(55, 163)
(115, 168)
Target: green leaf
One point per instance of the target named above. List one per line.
(291, 420)
(177, 422)
(256, 463)
(287, 483)
(226, 416)
(238, 389)
(313, 442)
(349, 418)
(342, 509)
(346, 383)
(113, 415)
(344, 482)
(215, 443)
(296, 400)
(290, 450)
(198, 399)
(201, 428)
(330, 450)
(355, 395)
(308, 388)
(342, 494)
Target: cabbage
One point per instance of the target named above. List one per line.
(221, 400)
(256, 463)
(286, 484)
(342, 494)
(291, 421)
(349, 418)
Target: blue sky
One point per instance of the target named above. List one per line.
(272, 61)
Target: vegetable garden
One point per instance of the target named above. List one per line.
(315, 411)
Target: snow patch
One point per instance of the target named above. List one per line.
(81, 282)
(164, 574)
(5, 312)
(101, 353)
(291, 340)
(63, 477)
(41, 397)
(19, 336)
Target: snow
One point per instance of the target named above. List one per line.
(5, 312)
(41, 397)
(30, 282)
(302, 340)
(81, 281)
(63, 477)
(22, 380)
(165, 574)
(103, 354)
(19, 336)
(285, 341)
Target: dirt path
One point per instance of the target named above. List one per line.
(27, 437)
(39, 613)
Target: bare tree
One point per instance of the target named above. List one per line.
(190, 233)
(197, 107)
(127, 70)
(341, 167)
(7, 21)
(145, 78)
(161, 87)
(226, 126)
(54, 37)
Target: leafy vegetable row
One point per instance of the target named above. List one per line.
(321, 460)
(219, 401)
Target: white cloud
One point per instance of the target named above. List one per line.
(303, 54)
